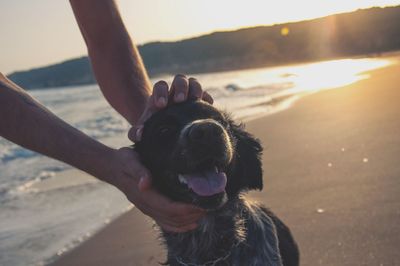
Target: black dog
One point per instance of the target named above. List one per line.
(198, 155)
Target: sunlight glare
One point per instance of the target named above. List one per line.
(284, 31)
(333, 74)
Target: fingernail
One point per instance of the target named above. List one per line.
(139, 132)
(144, 182)
(161, 102)
(180, 97)
(141, 184)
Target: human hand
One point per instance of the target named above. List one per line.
(126, 171)
(181, 89)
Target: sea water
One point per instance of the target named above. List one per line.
(46, 207)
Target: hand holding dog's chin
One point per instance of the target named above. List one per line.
(127, 174)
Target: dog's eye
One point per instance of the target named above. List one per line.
(164, 130)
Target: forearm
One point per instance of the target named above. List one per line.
(27, 123)
(116, 62)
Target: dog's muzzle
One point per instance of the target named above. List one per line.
(206, 150)
(207, 139)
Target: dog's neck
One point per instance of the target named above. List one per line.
(218, 232)
(221, 236)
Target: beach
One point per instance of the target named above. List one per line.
(65, 207)
(331, 172)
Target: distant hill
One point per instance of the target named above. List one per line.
(362, 32)
(72, 72)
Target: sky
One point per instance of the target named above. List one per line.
(40, 32)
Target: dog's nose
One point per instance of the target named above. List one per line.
(204, 132)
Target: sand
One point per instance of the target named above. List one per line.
(332, 173)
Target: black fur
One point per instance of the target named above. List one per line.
(194, 137)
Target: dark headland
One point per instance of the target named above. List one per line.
(363, 32)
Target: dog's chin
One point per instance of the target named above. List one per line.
(210, 203)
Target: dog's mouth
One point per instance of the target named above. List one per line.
(205, 183)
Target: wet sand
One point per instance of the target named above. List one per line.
(332, 173)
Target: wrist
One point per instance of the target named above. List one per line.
(122, 169)
(98, 161)
(109, 167)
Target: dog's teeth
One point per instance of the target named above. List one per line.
(216, 169)
(182, 179)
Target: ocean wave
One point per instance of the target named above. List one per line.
(15, 152)
(105, 124)
(63, 205)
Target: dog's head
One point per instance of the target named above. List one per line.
(197, 154)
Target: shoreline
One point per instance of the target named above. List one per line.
(373, 55)
(281, 148)
(256, 95)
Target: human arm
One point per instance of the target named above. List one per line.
(26, 122)
(116, 62)
(118, 66)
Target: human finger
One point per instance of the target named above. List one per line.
(207, 97)
(160, 94)
(165, 209)
(179, 88)
(195, 90)
(157, 100)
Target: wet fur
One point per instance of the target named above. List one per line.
(238, 233)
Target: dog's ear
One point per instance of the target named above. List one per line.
(246, 172)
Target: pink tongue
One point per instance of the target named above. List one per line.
(207, 183)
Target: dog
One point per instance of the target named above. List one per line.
(199, 155)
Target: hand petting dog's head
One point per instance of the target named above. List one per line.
(197, 155)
